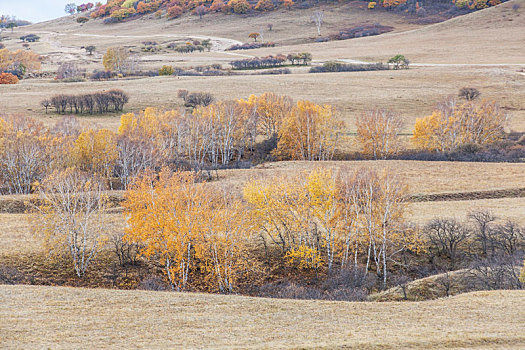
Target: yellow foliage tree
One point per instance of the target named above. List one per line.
(96, 152)
(117, 59)
(270, 111)
(454, 124)
(318, 217)
(309, 132)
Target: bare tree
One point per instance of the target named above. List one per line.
(510, 237)
(482, 218)
(46, 104)
(317, 18)
(446, 234)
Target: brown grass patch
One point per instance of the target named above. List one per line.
(57, 317)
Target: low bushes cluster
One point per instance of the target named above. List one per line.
(347, 67)
(250, 46)
(100, 102)
(272, 61)
(30, 38)
(194, 99)
(186, 48)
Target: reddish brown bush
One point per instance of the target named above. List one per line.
(8, 78)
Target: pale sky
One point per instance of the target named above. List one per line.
(35, 10)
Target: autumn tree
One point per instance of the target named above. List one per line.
(378, 133)
(321, 218)
(95, 151)
(288, 4)
(71, 216)
(270, 111)
(239, 6)
(8, 78)
(264, 5)
(223, 247)
(254, 36)
(19, 60)
(218, 6)
(148, 140)
(186, 225)
(454, 124)
(117, 59)
(309, 132)
(174, 11)
(25, 153)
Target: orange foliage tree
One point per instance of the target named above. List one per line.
(19, 59)
(187, 225)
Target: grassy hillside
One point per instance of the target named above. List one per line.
(491, 36)
(40, 317)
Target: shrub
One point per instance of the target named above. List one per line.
(166, 70)
(174, 12)
(101, 75)
(259, 62)
(8, 78)
(30, 38)
(372, 4)
(469, 94)
(195, 99)
(82, 19)
(239, 6)
(361, 31)
(250, 46)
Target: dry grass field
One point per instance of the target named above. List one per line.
(71, 318)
